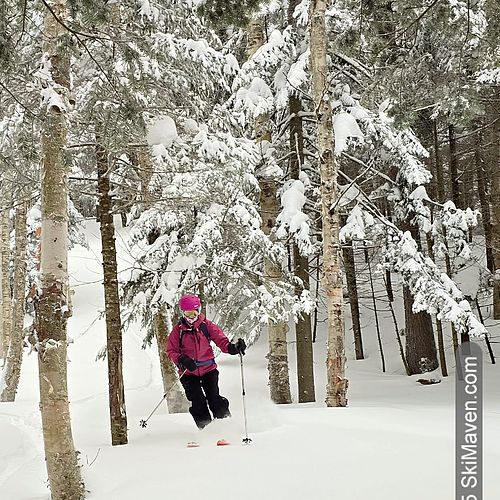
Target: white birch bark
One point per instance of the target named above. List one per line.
(336, 388)
(12, 368)
(52, 310)
(6, 306)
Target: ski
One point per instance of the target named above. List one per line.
(195, 444)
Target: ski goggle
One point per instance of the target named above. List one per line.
(193, 313)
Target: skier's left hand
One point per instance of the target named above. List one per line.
(237, 347)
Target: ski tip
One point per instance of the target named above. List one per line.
(192, 444)
(223, 442)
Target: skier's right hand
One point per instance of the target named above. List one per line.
(186, 363)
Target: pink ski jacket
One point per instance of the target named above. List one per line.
(191, 341)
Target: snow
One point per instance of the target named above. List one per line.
(147, 10)
(292, 218)
(232, 65)
(394, 432)
(354, 228)
(489, 76)
(345, 126)
(257, 99)
(297, 74)
(162, 131)
(52, 99)
(419, 193)
(190, 126)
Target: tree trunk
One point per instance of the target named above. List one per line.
(438, 165)
(15, 356)
(60, 455)
(255, 36)
(336, 389)
(176, 400)
(352, 289)
(117, 410)
(279, 381)
(441, 198)
(439, 325)
(6, 326)
(145, 174)
(495, 204)
(421, 354)
(453, 162)
(482, 191)
(303, 328)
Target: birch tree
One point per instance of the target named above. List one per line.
(15, 353)
(6, 297)
(51, 315)
(336, 389)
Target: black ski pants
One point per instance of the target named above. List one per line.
(203, 393)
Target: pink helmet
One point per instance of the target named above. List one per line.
(189, 302)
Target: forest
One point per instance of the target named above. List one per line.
(320, 179)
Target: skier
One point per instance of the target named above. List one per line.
(188, 347)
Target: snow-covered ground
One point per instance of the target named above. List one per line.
(394, 441)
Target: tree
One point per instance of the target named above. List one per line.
(114, 351)
(6, 315)
(279, 383)
(336, 391)
(15, 353)
(350, 272)
(176, 399)
(495, 199)
(303, 328)
(51, 315)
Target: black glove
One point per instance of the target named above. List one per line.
(237, 347)
(186, 363)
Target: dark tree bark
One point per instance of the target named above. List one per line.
(453, 163)
(483, 193)
(439, 184)
(495, 201)
(439, 325)
(279, 380)
(303, 328)
(118, 414)
(352, 289)
(420, 348)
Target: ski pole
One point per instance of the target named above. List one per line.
(144, 423)
(246, 439)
